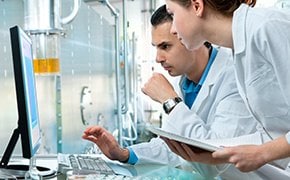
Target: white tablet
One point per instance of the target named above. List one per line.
(200, 144)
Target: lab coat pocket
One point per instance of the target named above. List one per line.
(264, 94)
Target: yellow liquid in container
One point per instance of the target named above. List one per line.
(46, 65)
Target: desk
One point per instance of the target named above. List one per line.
(153, 171)
(148, 171)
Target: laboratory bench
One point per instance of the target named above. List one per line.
(148, 171)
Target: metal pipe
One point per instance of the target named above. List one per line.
(118, 72)
(39, 20)
(134, 86)
(117, 67)
(113, 10)
(152, 6)
(73, 14)
(126, 65)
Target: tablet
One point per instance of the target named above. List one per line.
(200, 144)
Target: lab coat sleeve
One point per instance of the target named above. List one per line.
(218, 111)
(230, 119)
(273, 40)
(155, 151)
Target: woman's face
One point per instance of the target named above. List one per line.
(186, 23)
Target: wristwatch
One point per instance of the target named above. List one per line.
(169, 104)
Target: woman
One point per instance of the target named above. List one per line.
(260, 40)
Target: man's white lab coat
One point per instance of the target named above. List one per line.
(218, 112)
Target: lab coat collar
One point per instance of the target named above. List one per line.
(223, 58)
(239, 28)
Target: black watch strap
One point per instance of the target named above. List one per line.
(169, 104)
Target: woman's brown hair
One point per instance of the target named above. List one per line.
(225, 7)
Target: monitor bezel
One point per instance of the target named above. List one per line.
(18, 40)
(30, 138)
(25, 87)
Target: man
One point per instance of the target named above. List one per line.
(210, 100)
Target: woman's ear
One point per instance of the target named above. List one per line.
(198, 6)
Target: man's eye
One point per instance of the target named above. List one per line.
(165, 47)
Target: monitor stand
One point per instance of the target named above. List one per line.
(19, 170)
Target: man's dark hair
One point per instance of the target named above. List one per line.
(160, 16)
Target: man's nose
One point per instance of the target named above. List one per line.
(159, 57)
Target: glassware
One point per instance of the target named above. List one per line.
(46, 54)
(33, 173)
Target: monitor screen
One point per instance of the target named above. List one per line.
(28, 120)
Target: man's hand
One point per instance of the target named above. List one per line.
(191, 153)
(158, 88)
(106, 142)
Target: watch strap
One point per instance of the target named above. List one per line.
(169, 104)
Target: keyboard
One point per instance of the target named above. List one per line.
(83, 164)
(101, 177)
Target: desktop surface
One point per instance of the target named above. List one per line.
(146, 171)
(18, 166)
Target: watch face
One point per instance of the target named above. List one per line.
(169, 104)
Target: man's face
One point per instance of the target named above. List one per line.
(171, 54)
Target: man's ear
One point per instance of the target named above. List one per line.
(198, 6)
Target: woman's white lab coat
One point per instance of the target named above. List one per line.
(218, 112)
(262, 67)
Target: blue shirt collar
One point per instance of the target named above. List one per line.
(188, 85)
(189, 88)
(207, 68)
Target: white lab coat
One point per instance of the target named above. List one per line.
(218, 112)
(262, 68)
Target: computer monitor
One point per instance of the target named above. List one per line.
(28, 119)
